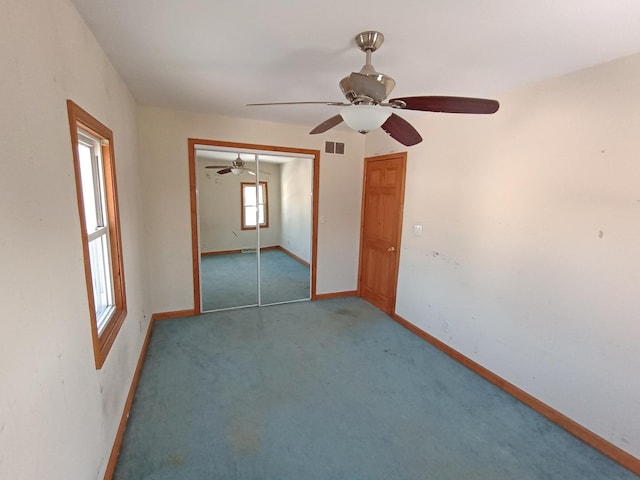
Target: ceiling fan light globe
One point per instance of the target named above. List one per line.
(364, 118)
(237, 171)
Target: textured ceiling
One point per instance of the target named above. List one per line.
(217, 55)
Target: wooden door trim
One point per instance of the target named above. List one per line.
(195, 241)
(402, 156)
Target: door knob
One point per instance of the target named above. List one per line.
(391, 249)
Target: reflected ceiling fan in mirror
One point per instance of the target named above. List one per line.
(238, 167)
(367, 90)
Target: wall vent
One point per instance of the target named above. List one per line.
(334, 147)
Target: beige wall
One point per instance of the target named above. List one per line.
(529, 261)
(297, 220)
(58, 415)
(289, 188)
(164, 152)
(219, 209)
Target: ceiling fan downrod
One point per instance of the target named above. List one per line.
(369, 42)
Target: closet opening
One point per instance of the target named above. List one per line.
(254, 224)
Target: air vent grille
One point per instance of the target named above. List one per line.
(336, 148)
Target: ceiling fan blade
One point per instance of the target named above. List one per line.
(339, 104)
(251, 172)
(449, 104)
(223, 171)
(217, 166)
(327, 124)
(401, 130)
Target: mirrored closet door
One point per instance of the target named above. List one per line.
(255, 222)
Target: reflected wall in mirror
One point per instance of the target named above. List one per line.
(254, 227)
(285, 268)
(228, 260)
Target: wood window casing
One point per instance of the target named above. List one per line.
(103, 340)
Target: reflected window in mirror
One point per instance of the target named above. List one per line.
(255, 205)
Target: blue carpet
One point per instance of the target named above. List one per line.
(334, 390)
(231, 280)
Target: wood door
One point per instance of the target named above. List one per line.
(382, 204)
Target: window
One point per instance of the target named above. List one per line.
(255, 205)
(92, 145)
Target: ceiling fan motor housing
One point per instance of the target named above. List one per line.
(367, 86)
(374, 91)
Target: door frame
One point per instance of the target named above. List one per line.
(402, 156)
(193, 194)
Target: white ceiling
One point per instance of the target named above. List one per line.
(217, 55)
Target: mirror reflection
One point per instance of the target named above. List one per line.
(255, 224)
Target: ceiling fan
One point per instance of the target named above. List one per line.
(237, 167)
(367, 90)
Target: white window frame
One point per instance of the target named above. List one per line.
(98, 238)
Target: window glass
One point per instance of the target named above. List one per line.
(254, 205)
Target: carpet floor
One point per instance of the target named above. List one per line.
(231, 280)
(331, 389)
